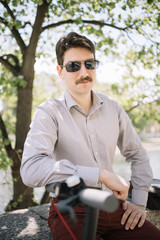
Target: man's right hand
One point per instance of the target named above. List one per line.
(116, 183)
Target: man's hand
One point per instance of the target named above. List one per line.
(117, 184)
(133, 215)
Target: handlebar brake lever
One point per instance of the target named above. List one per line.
(66, 206)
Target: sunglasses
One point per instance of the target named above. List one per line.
(75, 66)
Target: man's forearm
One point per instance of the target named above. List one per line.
(116, 183)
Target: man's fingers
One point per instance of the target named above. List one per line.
(125, 205)
(133, 216)
(142, 221)
(125, 216)
(135, 221)
(130, 220)
(120, 195)
(138, 218)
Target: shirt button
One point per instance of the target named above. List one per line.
(96, 153)
(92, 135)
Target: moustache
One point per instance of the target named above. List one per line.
(80, 80)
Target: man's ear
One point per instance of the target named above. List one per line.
(59, 70)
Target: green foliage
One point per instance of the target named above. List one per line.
(43, 90)
(8, 95)
(5, 161)
(143, 114)
(136, 17)
(14, 204)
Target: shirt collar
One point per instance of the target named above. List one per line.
(70, 102)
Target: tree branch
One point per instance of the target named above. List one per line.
(12, 153)
(37, 28)
(136, 44)
(16, 35)
(145, 34)
(13, 57)
(4, 21)
(133, 107)
(25, 24)
(4, 3)
(141, 104)
(14, 69)
(5, 137)
(94, 22)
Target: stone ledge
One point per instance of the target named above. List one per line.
(25, 224)
(31, 223)
(154, 217)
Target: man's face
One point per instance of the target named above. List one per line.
(82, 81)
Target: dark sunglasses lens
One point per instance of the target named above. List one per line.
(92, 64)
(73, 66)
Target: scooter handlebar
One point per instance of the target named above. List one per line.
(99, 199)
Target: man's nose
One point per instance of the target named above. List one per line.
(83, 70)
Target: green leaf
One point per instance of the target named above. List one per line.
(158, 20)
(18, 24)
(149, 1)
(124, 7)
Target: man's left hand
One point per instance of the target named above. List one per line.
(133, 215)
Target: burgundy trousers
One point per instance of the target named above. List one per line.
(108, 228)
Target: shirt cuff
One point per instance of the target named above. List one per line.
(90, 175)
(139, 197)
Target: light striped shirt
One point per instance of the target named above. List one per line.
(64, 141)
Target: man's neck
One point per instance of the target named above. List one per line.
(85, 101)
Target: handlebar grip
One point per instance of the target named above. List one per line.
(99, 199)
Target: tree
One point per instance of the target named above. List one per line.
(27, 27)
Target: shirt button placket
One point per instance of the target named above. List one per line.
(94, 146)
(92, 138)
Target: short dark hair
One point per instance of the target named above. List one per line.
(72, 40)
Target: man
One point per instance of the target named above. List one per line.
(77, 135)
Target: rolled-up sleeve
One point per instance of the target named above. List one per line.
(131, 148)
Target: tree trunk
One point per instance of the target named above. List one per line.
(23, 196)
(24, 108)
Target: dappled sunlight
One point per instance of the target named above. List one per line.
(30, 224)
(22, 211)
(25, 224)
